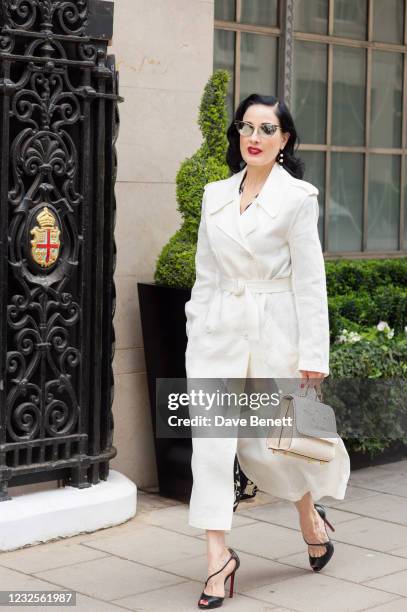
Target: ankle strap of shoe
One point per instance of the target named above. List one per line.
(222, 568)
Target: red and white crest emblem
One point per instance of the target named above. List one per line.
(46, 243)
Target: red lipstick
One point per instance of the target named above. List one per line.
(254, 150)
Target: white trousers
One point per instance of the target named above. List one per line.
(283, 476)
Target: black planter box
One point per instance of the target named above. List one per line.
(162, 311)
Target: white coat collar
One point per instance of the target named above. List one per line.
(270, 197)
(223, 203)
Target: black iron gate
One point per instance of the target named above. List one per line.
(58, 126)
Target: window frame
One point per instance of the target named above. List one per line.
(286, 36)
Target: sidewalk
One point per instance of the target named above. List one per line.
(155, 562)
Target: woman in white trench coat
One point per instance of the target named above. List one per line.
(259, 309)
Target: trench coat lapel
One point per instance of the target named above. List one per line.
(224, 204)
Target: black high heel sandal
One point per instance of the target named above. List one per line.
(215, 601)
(317, 563)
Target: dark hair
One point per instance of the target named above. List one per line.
(294, 165)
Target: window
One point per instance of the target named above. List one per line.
(245, 43)
(345, 90)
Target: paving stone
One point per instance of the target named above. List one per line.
(10, 580)
(176, 519)
(184, 597)
(253, 572)
(150, 545)
(265, 540)
(109, 578)
(353, 563)
(381, 481)
(89, 604)
(373, 471)
(382, 506)
(373, 534)
(313, 592)
(393, 583)
(395, 466)
(261, 497)
(149, 501)
(397, 605)
(49, 555)
(352, 492)
(16, 581)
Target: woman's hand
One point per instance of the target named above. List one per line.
(316, 377)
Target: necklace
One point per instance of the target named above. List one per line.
(241, 191)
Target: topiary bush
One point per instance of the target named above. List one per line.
(175, 265)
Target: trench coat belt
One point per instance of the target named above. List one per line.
(246, 287)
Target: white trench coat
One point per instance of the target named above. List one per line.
(241, 324)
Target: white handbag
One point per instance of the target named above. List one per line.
(311, 433)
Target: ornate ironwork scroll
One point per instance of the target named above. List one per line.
(58, 128)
